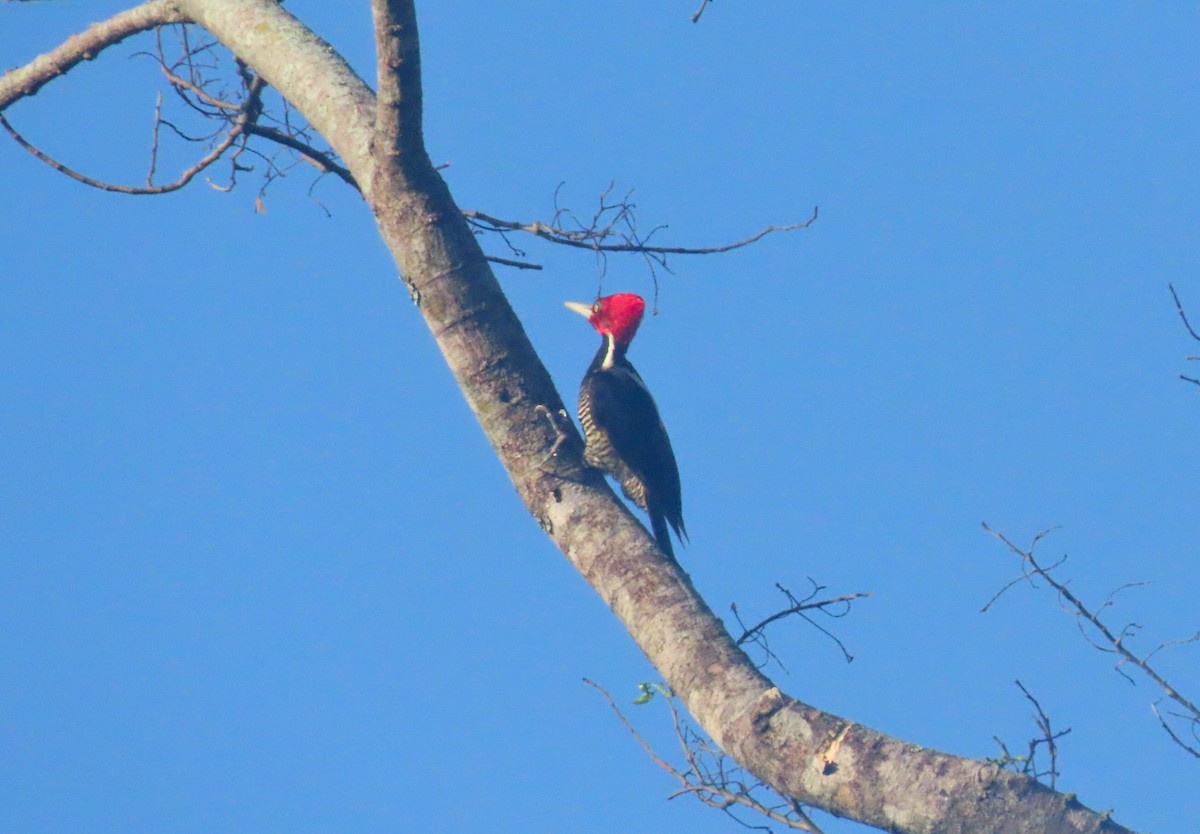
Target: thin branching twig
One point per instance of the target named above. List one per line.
(219, 101)
(710, 775)
(1191, 331)
(1027, 764)
(1103, 636)
(835, 607)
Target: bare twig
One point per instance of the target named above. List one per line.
(28, 79)
(508, 262)
(1102, 636)
(595, 241)
(187, 176)
(612, 228)
(1190, 330)
(1027, 764)
(1026, 576)
(1182, 314)
(158, 121)
(797, 607)
(184, 85)
(323, 162)
(1048, 738)
(709, 775)
(1195, 727)
(194, 75)
(836, 607)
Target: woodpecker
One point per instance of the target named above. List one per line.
(624, 435)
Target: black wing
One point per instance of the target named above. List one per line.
(623, 408)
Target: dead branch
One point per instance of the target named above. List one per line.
(238, 118)
(27, 80)
(1027, 764)
(323, 162)
(1102, 636)
(515, 264)
(184, 178)
(709, 776)
(1194, 726)
(835, 607)
(1190, 330)
(594, 238)
(1182, 314)
(612, 228)
(194, 76)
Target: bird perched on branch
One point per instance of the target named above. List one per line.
(624, 435)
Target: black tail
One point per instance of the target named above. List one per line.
(662, 534)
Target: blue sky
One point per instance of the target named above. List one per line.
(263, 573)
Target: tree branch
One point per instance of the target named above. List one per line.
(314, 78)
(399, 137)
(1110, 641)
(320, 160)
(247, 112)
(1191, 332)
(594, 240)
(708, 777)
(27, 80)
(756, 634)
(1182, 314)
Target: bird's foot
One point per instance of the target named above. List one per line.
(561, 436)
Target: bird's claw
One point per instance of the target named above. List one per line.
(560, 436)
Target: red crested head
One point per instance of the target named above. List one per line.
(618, 314)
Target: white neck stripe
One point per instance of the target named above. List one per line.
(612, 352)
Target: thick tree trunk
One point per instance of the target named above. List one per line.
(814, 757)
